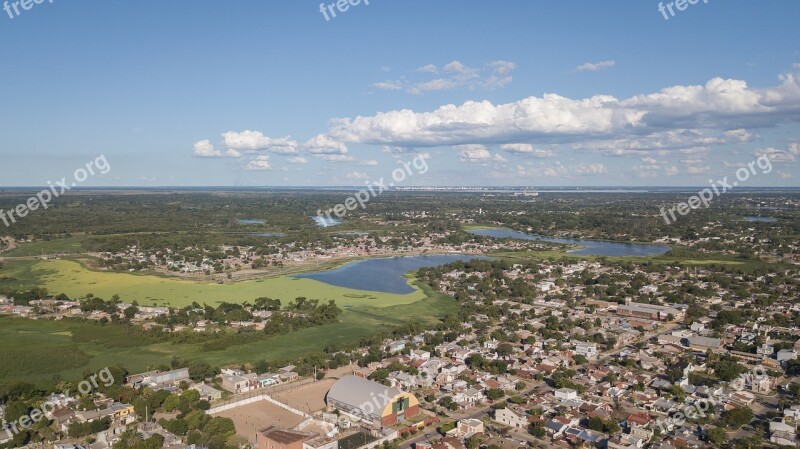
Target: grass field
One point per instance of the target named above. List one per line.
(71, 245)
(44, 348)
(75, 280)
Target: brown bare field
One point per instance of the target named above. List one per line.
(308, 398)
(251, 418)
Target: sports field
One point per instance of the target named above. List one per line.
(251, 418)
(309, 398)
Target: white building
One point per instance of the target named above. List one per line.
(566, 394)
(588, 350)
(511, 418)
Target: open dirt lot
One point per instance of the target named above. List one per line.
(251, 418)
(308, 398)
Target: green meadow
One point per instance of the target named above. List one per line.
(76, 280)
(42, 349)
(69, 245)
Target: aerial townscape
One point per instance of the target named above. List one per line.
(463, 225)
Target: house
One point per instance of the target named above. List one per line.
(511, 417)
(566, 394)
(555, 428)
(782, 434)
(546, 286)
(786, 354)
(698, 327)
(235, 383)
(765, 350)
(402, 381)
(587, 350)
(207, 392)
(268, 379)
(419, 354)
(290, 376)
(446, 443)
(468, 398)
(467, 428)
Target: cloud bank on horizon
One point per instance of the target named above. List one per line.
(684, 121)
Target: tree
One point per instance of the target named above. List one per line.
(130, 312)
(495, 393)
(716, 436)
(505, 350)
(201, 370)
(171, 403)
(737, 417)
(536, 430)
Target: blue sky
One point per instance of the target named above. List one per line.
(519, 92)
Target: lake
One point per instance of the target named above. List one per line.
(251, 221)
(760, 219)
(384, 274)
(589, 247)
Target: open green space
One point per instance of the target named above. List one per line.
(43, 349)
(69, 245)
(76, 280)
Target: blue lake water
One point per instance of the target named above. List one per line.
(251, 221)
(382, 275)
(760, 219)
(589, 247)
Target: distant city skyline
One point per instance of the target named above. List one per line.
(526, 93)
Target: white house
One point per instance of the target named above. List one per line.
(419, 354)
(546, 286)
(511, 418)
(698, 327)
(566, 394)
(467, 428)
(587, 350)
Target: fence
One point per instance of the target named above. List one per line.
(262, 395)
